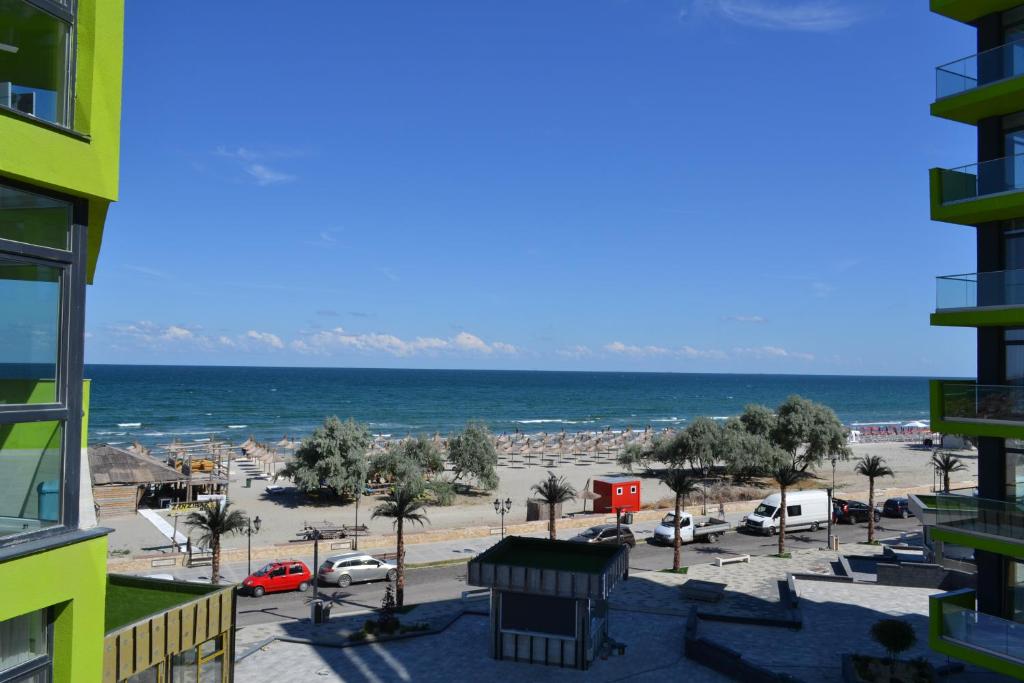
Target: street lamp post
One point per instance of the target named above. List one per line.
(253, 527)
(831, 508)
(315, 533)
(502, 507)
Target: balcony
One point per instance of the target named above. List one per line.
(969, 11)
(986, 84)
(994, 298)
(963, 407)
(978, 193)
(958, 630)
(995, 525)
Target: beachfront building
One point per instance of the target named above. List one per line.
(985, 90)
(61, 618)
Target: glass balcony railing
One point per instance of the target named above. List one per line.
(981, 631)
(975, 290)
(1005, 61)
(978, 402)
(1005, 174)
(980, 515)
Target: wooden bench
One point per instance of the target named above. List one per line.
(722, 561)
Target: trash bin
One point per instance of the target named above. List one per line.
(316, 611)
(49, 501)
(248, 482)
(627, 517)
(320, 612)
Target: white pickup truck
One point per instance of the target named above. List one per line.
(689, 532)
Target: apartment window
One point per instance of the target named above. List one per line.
(1013, 344)
(36, 49)
(26, 645)
(42, 286)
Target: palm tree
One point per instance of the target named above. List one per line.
(945, 464)
(684, 486)
(403, 504)
(213, 521)
(785, 475)
(554, 491)
(872, 467)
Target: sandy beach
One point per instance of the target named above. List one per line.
(284, 514)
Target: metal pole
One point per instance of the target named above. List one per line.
(249, 548)
(831, 507)
(355, 540)
(503, 521)
(316, 564)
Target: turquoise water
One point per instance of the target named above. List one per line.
(154, 404)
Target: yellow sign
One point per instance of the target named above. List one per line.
(184, 508)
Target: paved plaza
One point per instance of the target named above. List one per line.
(655, 653)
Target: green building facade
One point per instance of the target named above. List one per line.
(60, 111)
(986, 91)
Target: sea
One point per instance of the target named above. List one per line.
(156, 404)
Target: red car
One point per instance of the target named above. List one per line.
(286, 575)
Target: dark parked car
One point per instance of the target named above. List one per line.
(897, 507)
(605, 533)
(851, 511)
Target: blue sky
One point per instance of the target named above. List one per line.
(705, 186)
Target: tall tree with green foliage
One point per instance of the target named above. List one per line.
(683, 486)
(872, 467)
(945, 464)
(403, 504)
(471, 454)
(786, 476)
(553, 491)
(333, 457)
(213, 521)
(809, 432)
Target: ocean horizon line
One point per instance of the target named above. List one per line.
(523, 371)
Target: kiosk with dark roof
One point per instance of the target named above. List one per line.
(549, 599)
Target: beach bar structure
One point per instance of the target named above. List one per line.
(549, 599)
(121, 479)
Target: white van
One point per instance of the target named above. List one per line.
(804, 510)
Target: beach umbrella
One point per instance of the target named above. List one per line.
(917, 424)
(587, 494)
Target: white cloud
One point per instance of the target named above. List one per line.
(175, 333)
(264, 175)
(763, 352)
(253, 162)
(330, 341)
(652, 350)
(631, 350)
(146, 270)
(264, 339)
(145, 333)
(746, 318)
(576, 352)
(780, 15)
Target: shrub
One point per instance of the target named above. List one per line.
(441, 492)
(895, 635)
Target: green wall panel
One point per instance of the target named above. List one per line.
(968, 11)
(84, 165)
(73, 579)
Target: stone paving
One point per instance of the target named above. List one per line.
(436, 615)
(654, 654)
(837, 618)
(752, 589)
